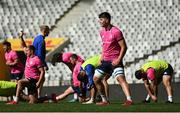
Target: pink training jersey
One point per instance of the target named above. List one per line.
(32, 67)
(151, 74)
(66, 57)
(76, 71)
(110, 39)
(11, 57)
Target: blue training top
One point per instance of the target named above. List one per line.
(40, 48)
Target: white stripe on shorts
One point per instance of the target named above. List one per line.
(99, 73)
(119, 71)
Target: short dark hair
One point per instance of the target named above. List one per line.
(57, 57)
(31, 47)
(6, 43)
(74, 56)
(44, 27)
(138, 74)
(105, 15)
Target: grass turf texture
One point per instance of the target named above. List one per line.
(64, 106)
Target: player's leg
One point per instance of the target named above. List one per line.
(75, 98)
(15, 78)
(20, 85)
(32, 98)
(32, 91)
(125, 87)
(40, 87)
(93, 92)
(100, 88)
(167, 77)
(120, 77)
(168, 86)
(65, 93)
(106, 86)
(102, 71)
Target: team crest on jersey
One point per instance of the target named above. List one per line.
(31, 62)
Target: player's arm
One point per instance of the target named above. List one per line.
(42, 73)
(154, 87)
(123, 46)
(15, 60)
(90, 74)
(12, 63)
(23, 44)
(149, 90)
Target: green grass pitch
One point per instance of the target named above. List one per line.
(64, 106)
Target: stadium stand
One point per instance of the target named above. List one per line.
(30, 14)
(148, 27)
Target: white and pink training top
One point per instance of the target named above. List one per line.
(32, 67)
(110, 39)
(11, 56)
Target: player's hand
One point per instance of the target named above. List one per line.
(115, 62)
(21, 33)
(154, 98)
(7, 62)
(37, 85)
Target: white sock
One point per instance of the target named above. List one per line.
(91, 99)
(75, 96)
(170, 98)
(103, 98)
(16, 99)
(147, 98)
(129, 98)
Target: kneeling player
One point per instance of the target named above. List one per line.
(34, 73)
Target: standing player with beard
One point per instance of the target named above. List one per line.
(13, 61)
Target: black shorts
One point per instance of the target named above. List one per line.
(108, 68)
(169, 71)
(16, 76)
(32, 86)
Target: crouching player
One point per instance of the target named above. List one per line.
(86, 76)
(34, 73)
(65, 58)
(76, 87)
(152, 73)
